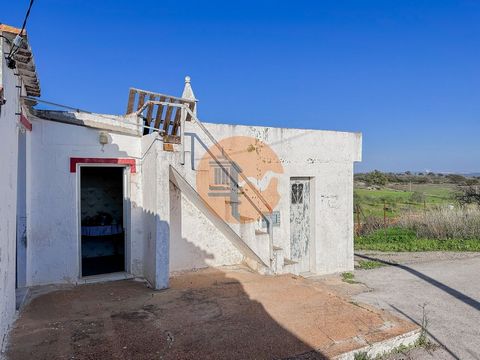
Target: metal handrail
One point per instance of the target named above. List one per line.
(186, 109)
(226, 156)
(224, 153)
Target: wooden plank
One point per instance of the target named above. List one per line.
(176, 121)
(131, 100)
(158, 117)
(178, 99)
(150, 110)
(141, 100)
(168, 115)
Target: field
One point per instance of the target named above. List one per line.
(419, 217)
(398, 198)
(400, 239)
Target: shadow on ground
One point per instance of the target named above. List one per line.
(454, 293)
(206, 314)
(449, 290)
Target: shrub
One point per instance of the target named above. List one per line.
(417, 197)
(470, 195)
(444, 223)
(376, 178)
(370, 225)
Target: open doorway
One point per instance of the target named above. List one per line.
(102, 220)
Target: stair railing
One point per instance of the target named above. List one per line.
(186, 111)
(268, 220)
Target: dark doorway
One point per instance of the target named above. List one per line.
(103, 233)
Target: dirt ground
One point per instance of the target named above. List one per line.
(209, 314)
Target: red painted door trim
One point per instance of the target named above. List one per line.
(26, 124)
(119, 161)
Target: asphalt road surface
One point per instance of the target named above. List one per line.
(443, 287)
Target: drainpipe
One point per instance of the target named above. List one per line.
(273, 265)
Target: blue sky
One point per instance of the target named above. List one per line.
(404, 73)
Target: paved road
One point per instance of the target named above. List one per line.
(449, 286)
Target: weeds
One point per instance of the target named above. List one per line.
(348, 277)
(369, 264)
(362, 356)
(444, 223)
(423, 338)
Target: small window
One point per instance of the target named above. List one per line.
(297, 194)
(221, 176)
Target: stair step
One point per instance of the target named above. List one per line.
(289, 262)
(260, 232)
(277, 248)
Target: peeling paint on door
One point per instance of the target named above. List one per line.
(300, 232)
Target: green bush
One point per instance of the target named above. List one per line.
(417, 197)
(376, 178)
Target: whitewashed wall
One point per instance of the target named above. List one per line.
(52, 231)
(326, 157)
(167, 232)
(8, 194)
(195, 242)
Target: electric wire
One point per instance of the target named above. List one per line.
(13, 50)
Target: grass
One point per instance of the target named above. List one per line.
(348, 277)
(398, 198)
(399, 239)
(369, 264)
(362, 356)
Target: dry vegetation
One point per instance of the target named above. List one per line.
(445, 216)
(444, 223)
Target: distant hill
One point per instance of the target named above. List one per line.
(380, 178)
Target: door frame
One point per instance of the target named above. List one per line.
(312, 243)
(126, 214)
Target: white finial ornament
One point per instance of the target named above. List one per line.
(188, 92)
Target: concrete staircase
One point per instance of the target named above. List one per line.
(254, 241)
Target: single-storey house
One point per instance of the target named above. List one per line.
(89, 197)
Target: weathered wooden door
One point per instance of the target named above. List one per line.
(300, 232)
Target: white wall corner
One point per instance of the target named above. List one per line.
(357, 147)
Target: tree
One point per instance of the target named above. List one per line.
(456, 179)
(470, 195)
(376, 178)
(471, 181)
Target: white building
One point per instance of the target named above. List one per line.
(93, 196)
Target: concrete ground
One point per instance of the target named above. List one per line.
(446, 285)
(210, 314)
